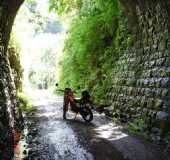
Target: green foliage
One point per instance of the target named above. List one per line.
(31, 75)
(32, 5)
(14, 59)
(40, 30)
(138, 126)
(52, 27)
(97, 36)
(40, 75)
(24, 103)
(64, 6)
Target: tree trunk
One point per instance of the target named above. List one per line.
(8, 105)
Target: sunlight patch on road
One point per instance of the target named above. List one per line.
(110, 131)
(48, 114)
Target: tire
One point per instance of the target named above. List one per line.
(87, 115)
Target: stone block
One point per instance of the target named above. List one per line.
(143, 71)
(158, 103)
(162, 115)
(165, 82)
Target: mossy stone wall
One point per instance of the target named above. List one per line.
(8, 105)
(141, 77)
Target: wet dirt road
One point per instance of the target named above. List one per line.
(52, 138)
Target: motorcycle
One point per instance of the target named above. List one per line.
(82, 106)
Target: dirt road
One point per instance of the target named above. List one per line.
(52, 138)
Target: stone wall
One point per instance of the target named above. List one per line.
(141, 77)
(8, 105)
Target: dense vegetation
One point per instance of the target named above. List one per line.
(14, 50)
(96, 37)
(38, 34)
(14, 59)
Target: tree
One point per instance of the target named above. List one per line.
(32, 5)
(64, 6)
(96, 38)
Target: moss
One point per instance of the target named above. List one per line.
(138, 127)
(157, 103)
(14, 60)
(130, 41)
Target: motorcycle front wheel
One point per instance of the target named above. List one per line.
(87, 115)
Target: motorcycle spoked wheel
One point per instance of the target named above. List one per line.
(87, 115)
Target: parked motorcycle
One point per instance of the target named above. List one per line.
(82, 106)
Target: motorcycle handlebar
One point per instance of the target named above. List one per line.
(61, 90)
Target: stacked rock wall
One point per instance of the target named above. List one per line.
(8, 105)
(141, 77)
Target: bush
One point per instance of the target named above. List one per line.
(137, 127)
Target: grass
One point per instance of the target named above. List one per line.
(137, 127)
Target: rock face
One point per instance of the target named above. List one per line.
(8, 104)
(141, 77)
